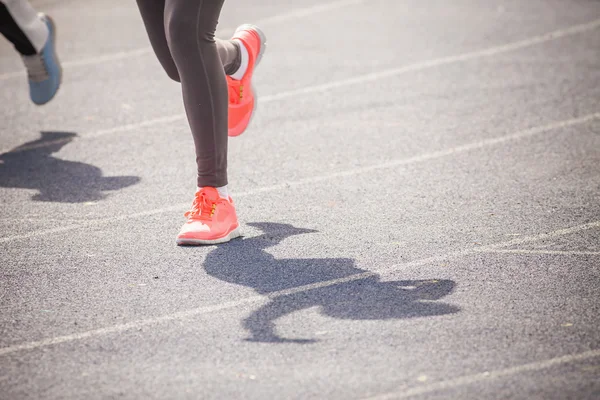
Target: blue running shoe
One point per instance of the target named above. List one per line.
(43, 69)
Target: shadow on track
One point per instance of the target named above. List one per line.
(245, 262)
(32, 166)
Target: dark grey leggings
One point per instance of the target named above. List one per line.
(14, 33)
(182, 33)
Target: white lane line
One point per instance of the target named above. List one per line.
(390, 164)
(492, 51)
(285, 292)
(549, 252)
(120, 128)
(357, 80)
(121, 55)
(441, 153)
(128, 54)
(306, 12)
(544, 236)
(40, 219)
(178, 315)
(484, 376)
(495, 246)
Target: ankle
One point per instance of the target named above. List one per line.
(244, 61)
(223, 191)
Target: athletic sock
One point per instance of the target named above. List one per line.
(244, 60)
(223, 192)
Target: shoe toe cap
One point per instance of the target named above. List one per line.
(194, 227)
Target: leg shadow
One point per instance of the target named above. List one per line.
(245, 262)
(32, 166)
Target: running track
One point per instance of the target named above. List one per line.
(419, 192)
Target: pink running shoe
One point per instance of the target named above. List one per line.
(211, 220)
(242, 96)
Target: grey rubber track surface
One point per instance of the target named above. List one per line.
(419, 194)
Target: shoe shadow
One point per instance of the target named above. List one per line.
(245, 262)
(32, 166)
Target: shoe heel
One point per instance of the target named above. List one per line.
(261, 34)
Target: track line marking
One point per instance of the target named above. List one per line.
(178, 315)
(549, 252)
(491, 51)
(102, 132)
(285, 292)
(500, 245)
(306, 12)
(375, 76)
(543, 236)
(40, 219)
(390, 164)
(127, 54)
(484, 376)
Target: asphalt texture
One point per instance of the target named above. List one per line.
(419, 194)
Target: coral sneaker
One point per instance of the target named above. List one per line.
(242, 96)
(211, 220)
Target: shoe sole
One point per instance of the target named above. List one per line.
(56, 60)
(263, 47)
(263, 39)
(198, 242)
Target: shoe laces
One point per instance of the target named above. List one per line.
(36, 67)
(203, 208)
(236, 91)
